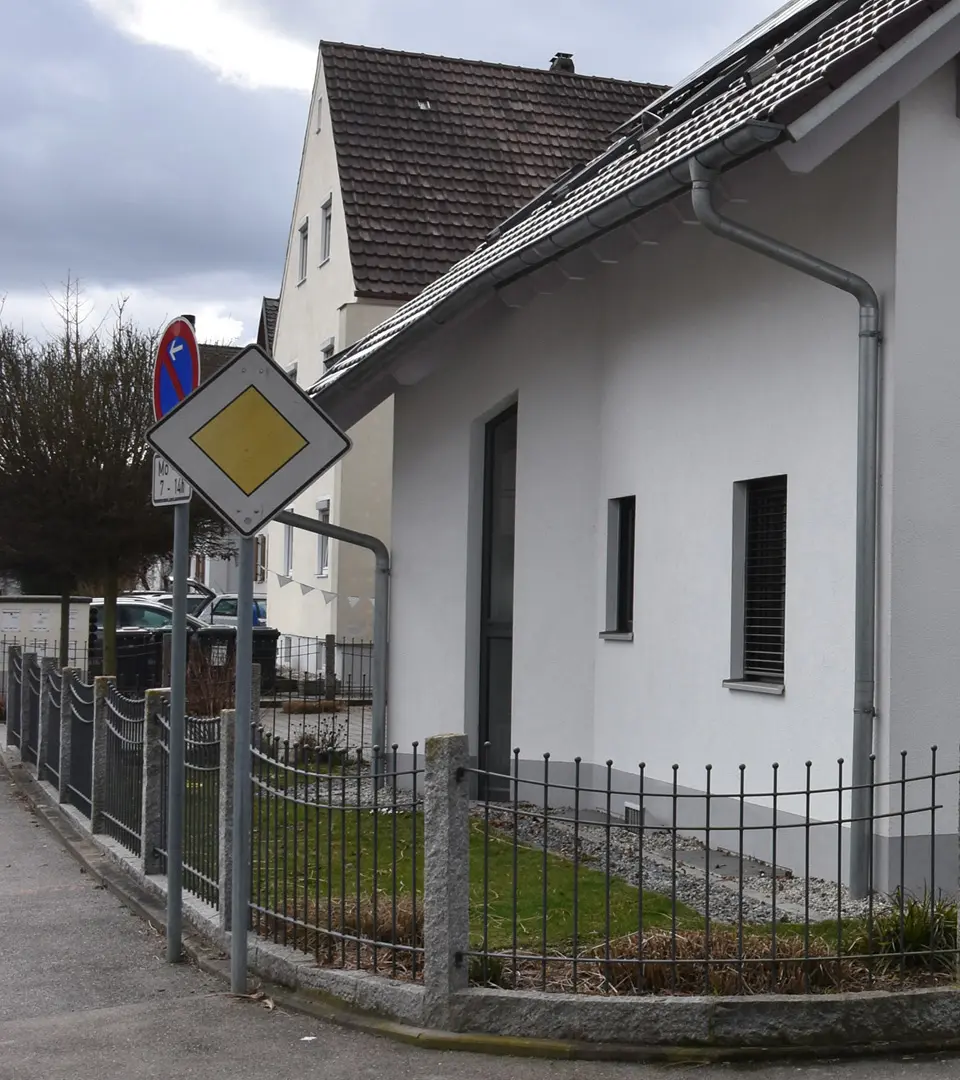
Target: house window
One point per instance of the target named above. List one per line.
(759, 581)
(323, 542)
(326, 227)
(292, 371)
(621, 534)
(319, 113)
(304, 233)
(260, 558)
(327, 352)
(288, 551)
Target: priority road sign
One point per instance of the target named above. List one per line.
(249, 440)
(176, 370)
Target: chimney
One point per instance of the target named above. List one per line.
(563, 62)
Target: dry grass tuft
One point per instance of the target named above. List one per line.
(308, 706)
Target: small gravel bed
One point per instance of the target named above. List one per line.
(688, 881)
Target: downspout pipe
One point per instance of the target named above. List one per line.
(864, 709)
(381, 623)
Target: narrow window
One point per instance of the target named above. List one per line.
(288, 551)
(260, 558)
(621, 531)
(323, 542)
(304, 250)
(759, 581)
(319, 113)
(326, 352)
(326, 227)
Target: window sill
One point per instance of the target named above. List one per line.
(323, 262)
(754, 687)
(616, 635)
(324, 575)
(302, 281)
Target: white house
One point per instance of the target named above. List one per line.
(408, 162)
(633, 444)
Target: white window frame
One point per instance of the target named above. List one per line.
(303, 234)
(260, 552)
(326, 229)
(319, 117)
(292, 371)
(323, 542)
(288, 551)
(327, 349)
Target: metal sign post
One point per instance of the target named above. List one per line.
(176, 375)
(242, 803)
(249, 441)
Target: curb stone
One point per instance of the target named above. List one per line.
(327, 1007)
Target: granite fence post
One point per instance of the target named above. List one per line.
(228, 728)
(11, 699)
(446, 898)
(47, 715)
(27, 660)
(98, 789)
(153, 781)
(70, 676)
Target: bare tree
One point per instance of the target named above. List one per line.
(75, 467)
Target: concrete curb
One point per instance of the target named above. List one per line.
(325, 1003)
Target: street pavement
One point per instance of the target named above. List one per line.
(85, 995)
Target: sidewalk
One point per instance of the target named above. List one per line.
(85, 995)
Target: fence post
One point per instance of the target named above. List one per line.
(152, 824)
(228, 728)
(11, 701)
(47, 664)
(330, 667)
(66, 730)
(446, 896)
(98, 787)
(27, 660)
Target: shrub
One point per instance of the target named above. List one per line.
(927, 938)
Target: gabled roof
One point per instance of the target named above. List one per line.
(213, 358)
(267, 328)
(722, 115)
(434, 152)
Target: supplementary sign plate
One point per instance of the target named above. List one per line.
(169, 487)
(249, 440)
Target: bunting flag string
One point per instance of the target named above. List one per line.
(328, 595)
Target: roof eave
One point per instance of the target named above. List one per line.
(341, 394)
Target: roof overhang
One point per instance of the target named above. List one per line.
(873, 90)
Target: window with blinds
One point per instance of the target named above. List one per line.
(764, 579)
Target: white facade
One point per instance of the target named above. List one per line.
(685, 368)
(307, 595)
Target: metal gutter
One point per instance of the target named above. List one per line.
(864, 710)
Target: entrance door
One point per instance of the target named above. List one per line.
(496, 626)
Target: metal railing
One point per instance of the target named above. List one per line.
(123, 783)
(14, 684)
(81, 705)
(201, 822)
(674, 897)
(51, 757)
(337, 860)
(338, 666)
(30, 689)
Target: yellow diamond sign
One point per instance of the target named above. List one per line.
(249, 440)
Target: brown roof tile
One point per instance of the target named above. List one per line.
(433, 152)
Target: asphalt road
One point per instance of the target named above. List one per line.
(85, 995)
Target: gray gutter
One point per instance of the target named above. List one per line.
(864, 710)
(672, 180)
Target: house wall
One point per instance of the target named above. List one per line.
(321, 308)
(684, 369)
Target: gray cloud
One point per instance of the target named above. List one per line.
(131, 164)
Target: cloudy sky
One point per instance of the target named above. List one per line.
(151, 147)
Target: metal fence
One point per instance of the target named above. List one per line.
(44, 648)
(81, 704)
(341, 666)
(54, 702)
(30, 714)
(13, 681)
(201, 822)
(123, 727)
(337, 860)
(572, 897)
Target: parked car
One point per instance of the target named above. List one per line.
(138, 613)
(223, 610)
(197, 603)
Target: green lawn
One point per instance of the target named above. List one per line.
(307, 860)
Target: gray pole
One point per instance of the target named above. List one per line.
(178, 694)
(242, 809)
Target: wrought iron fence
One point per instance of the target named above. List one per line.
(123, 783)
(337, 860)
(30, 689)
(53, 697)
(14, 685)
(80, 785)
(201, 822)
(44, 647)
(339, 666)
(591, 881)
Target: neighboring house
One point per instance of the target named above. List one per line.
(627, 469)
(408, 162)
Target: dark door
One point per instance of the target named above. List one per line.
(496, 626)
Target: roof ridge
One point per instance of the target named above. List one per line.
(491, 64)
